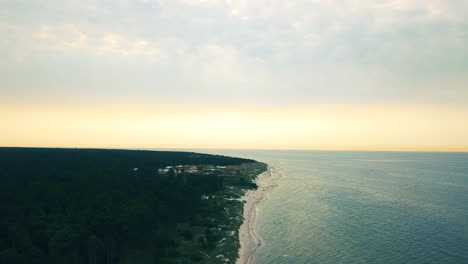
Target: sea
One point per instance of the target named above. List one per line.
(363, 207)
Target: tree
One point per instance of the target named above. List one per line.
(66, 243)
(95, 250)
(11, 256)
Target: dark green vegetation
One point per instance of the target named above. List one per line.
(120, 206)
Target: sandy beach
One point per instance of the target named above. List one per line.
(250, 241)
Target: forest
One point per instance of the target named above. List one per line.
(92, 206)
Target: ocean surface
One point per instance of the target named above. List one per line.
(363, 207)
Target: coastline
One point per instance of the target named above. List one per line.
(249, 239)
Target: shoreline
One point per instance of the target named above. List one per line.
(249, 239)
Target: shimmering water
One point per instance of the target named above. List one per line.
(364, 207)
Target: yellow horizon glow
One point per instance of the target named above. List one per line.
(323, 127)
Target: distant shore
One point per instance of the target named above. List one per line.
(250, 240)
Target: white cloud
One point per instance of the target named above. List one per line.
(71, 38)
(227, 46)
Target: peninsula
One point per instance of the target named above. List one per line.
(95, 206)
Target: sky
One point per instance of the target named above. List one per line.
(303, 74)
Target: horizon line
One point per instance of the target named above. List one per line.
(433, 150)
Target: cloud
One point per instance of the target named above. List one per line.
(295, 52)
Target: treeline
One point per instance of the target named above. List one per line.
(99, 206)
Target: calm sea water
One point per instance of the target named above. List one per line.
(364, 207)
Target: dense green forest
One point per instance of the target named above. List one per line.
(117, 206)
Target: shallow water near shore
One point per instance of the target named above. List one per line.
(250, 241)
(363, 207)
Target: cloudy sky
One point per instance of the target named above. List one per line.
(249, 57)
